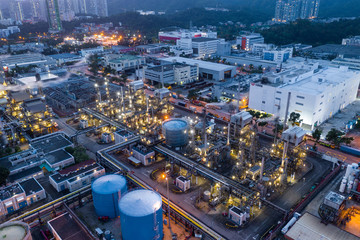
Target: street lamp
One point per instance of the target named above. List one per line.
(164, 176)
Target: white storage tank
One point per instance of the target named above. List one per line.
(141, 215)
(343, 185)
(15, 231)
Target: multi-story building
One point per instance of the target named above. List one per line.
(76, 176)
(353, 41)
(24, 60)
(291, 10)
(205, 46)
(16, 10)
(20, 195)
(91, 51)
(125, 62)
(8, 31)
(315, 93)
(38, 10)
(207, 70)
(278, 55)
(309, 9)
(53, 14)
(247, 40)
(175, 73)
(144, 154)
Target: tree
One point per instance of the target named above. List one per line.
(347, 140)
(80, 154)
(334, 136)
(192, 94)
(316, 134)
(4, 173)
(94, 64)
(294, 118)
(70, 150)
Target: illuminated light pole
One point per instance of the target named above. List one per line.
(164, 176)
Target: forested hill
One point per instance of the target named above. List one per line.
(328, 8)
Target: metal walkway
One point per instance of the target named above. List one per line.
(206, 172)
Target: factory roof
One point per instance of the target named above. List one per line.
(125, 58)
(203, 39)
(23, 59)
(183, 179)
(142, 149)
(123, 133)
(34, 105)
(335, 197)
(10, 191)
(20, 96)
(57, 156)
(318, 82)
(25, 173)
(72, 172)
(236, 210)
(32, 79)
(309, 227)
(64, 55)
(49, 143)
(167, 67)
(336, 49)
(31, 186)
(202, 64)
(67, 228)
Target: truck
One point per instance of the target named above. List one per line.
(290, 223)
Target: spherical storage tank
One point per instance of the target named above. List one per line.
(141, 215)
(176, 132)
(106, 191)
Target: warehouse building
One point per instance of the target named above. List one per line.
(207, 70)
(315, 93)
(174, 73)
(76, 176)
(20, 195)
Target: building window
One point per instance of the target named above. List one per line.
(320, 110)
(321, 103)
(301, 97)
(278, 98)
(299, 104)
(263, 102)
(278, 92)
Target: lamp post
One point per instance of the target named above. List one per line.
(168, 197)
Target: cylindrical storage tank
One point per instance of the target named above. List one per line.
(206, 196)
(356, 183)
(349, 186)
(15, 231)
(106, 191)
(141, 215)
(343, 185)
(176, 132)
(348, 171)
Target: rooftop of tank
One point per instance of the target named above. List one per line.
(140, 203)
(175, 124)
(109, 183)
(12, 232)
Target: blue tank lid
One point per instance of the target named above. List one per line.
(140, 203)
(108, 184)
(175, 124)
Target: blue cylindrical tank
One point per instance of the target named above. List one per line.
(106, 191)
(141, 215)
(176, 132)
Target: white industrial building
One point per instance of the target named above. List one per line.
(124, 62)
(315, 93)
(207, 70)
(201, 46)
(90, 51)
(183, 183)
(144, 154)
(174, 73)
(20, 195)
(247, 40)
(76, 176)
